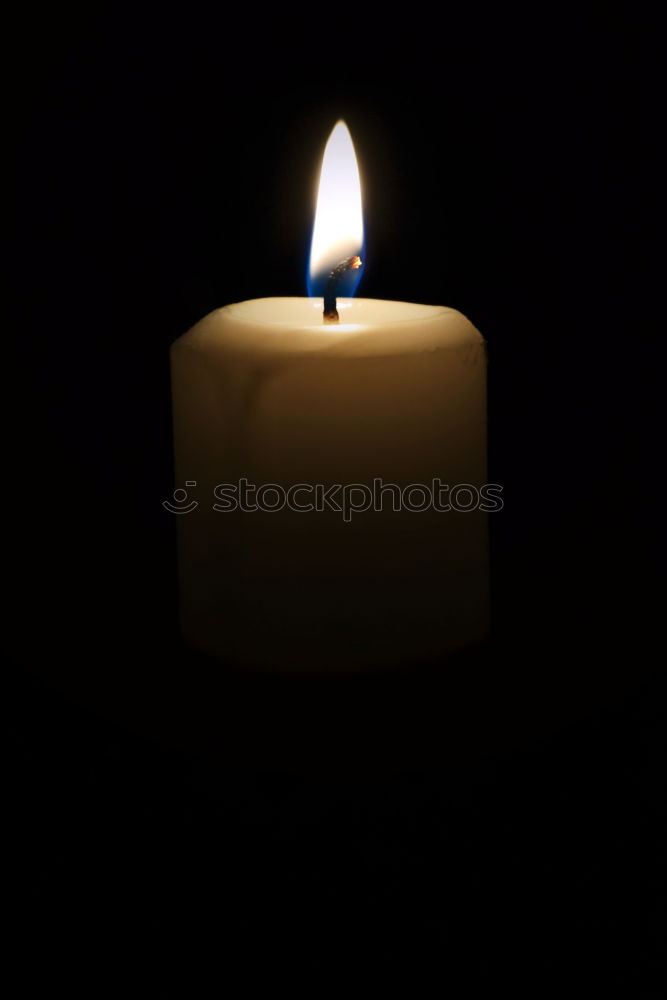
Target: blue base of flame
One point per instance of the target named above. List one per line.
(347, 286)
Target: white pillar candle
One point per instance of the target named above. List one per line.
(382, 415)
(396, 392)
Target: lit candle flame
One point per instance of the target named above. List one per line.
(338, 232)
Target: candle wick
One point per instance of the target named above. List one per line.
(330, 313)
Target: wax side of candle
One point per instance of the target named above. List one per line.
(262, 390)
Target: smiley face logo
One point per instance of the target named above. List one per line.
(180, 496)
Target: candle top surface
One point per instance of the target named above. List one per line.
(354, 313)
(366, 327)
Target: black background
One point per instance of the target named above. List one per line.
(495, 823)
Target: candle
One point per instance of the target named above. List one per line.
(336, 512)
